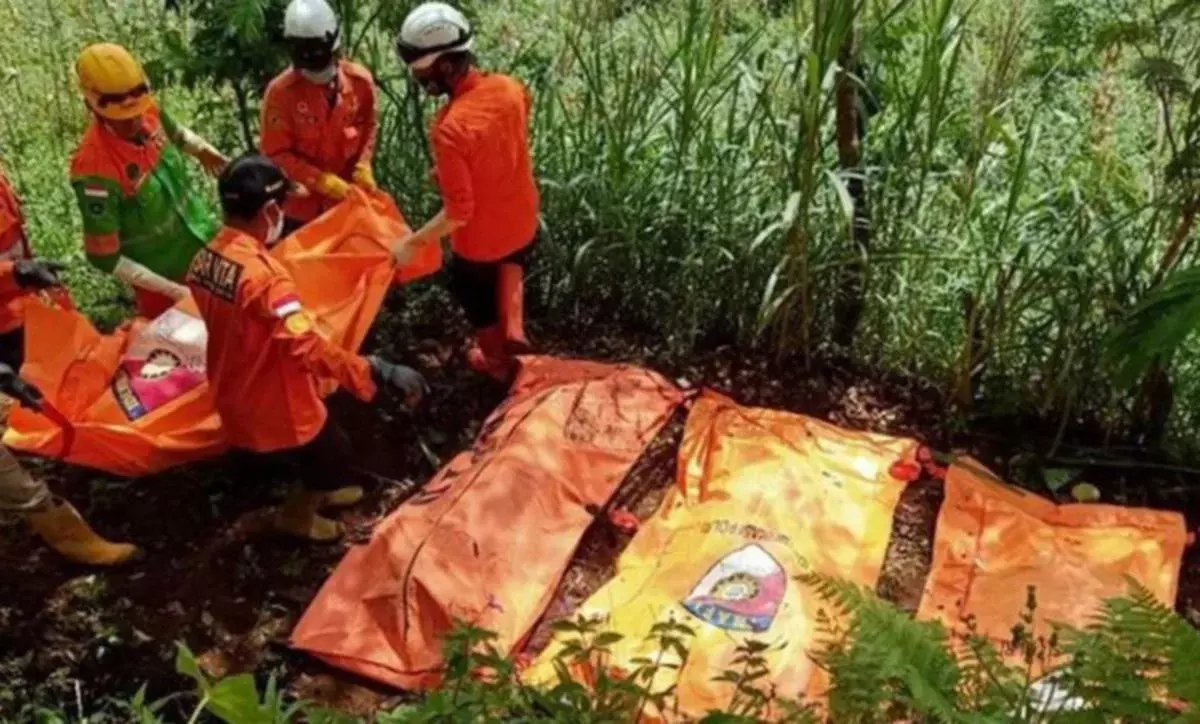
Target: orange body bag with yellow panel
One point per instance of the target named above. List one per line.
(762, 498)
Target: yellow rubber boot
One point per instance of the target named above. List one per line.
(343, 497)
(62, 528)
(299, 517)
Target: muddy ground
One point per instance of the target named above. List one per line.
(72, 637)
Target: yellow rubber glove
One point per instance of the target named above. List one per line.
(364, 177)
(331, 185)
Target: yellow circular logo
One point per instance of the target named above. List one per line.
(298, 323)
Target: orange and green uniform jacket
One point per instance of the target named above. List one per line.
(14, 246)
(266, 359)
(484, 170)
(137, 200)
(311, 129)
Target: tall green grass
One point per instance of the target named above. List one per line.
(1015, 171)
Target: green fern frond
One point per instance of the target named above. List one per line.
(1135, 660)
(846, 597)
(1174, 638)
(886, 655)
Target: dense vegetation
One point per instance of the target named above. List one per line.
(1135, 663)
(991, 196)
(975, 193)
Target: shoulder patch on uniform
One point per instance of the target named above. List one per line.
(286, 306)
(298, 323)
(212, 272)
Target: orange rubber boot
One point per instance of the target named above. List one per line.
(510, 302)
(486, 353)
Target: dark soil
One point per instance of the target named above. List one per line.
(212, 578)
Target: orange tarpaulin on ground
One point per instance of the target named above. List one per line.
(994, 541)
(487, 540)
(763, 496)
(136, 402)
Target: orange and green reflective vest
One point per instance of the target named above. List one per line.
(140, 195)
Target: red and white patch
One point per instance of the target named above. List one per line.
(286, 306)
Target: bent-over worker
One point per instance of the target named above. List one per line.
(485, 174)
(266, 359)
(142, 220)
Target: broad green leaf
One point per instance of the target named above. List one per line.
(1056, 478)
(1161, 72)
(607, 639)
(235, 701)
(186, 664)
(1157, 326)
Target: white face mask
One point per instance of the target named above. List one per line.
(321, 77)
(276, 232)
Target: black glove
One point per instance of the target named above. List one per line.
(32, 274)
(16, 387)
(405, 379)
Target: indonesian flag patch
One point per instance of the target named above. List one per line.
(286, 306)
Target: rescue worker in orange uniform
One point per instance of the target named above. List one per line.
(266, 360)
(20, 276)
(318, 116)
(485, 174)
(142, 220)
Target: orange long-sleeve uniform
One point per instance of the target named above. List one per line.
(9, 289)
(14, 246)
(265, 358)
(310, 129)
(484, 170)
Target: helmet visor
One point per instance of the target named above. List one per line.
(409, 53)
(122, 106)
(412, 54)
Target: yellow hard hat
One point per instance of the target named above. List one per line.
(113, 82)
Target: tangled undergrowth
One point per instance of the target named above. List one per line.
(1136, 662)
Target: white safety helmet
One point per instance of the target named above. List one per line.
(312, 34)
(430, 31)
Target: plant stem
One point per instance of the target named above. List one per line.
(199, 709)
